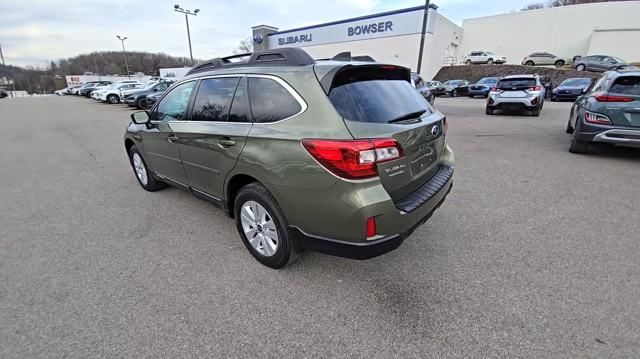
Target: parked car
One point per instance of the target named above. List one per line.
(427, 92)
(3, 93)
(151, 99)
(598, 63)
(74, 90)
(97, 90)
(609, 112)
(87, 88)
(111, 93)
(484, 57)
(61, 92)
(517, 92)
(453, 88)
(544, 58)
(343, 157)
(482, 87)
(571, 89)
(136, 98)
(433, 84)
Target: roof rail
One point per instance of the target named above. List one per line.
(626, 67)
(346, 56)
(287, 56)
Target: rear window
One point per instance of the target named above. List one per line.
(488, 80)
(628, 85)
(516, 82)
(375, 95)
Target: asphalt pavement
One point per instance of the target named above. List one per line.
(535, 253)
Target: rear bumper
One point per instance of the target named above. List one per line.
(365, 250)
(616, 136)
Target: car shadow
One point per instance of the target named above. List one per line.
(605, 150)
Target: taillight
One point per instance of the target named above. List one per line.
(353, 159)
(596, 118)
(535, 88)
(605, 97)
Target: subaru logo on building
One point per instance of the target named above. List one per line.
(435, 130)
(258, 39)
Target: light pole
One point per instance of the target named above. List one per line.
(186, 13)
(124, 52)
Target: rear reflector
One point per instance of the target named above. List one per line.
(604, 97)
(353, 159)
(535, 88)
(371, 227)
(596, 118)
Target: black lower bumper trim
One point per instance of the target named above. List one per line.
(360, 250)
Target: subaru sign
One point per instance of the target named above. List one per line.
(405, 22)
(258, 39)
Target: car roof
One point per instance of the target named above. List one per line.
(520, 76)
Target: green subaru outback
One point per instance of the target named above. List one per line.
(341, 156)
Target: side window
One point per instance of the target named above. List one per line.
(270, 102)
(162, 87)
(240, 105)
(213, 100)
(172, 107)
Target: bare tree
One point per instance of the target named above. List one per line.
(245, 46)
(557, 3)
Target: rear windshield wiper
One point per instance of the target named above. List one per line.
(408, 116)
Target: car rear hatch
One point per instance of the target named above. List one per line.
(378, 102)
(622, 103)
(516, 87)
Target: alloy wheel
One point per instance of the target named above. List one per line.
(259, 228)
(141, 171)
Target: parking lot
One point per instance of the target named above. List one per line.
(535, 253)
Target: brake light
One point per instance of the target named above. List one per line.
(535, 88)
(353, 159)
(605, 97)
(596, 118)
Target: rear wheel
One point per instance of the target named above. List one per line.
(263, 227)
(536, 112)
(529, 63)
(580, 67)
(468, 62)
(113, 99)
(143, 175)
(569, 128)
(489, 111)
(490, 62)
(578, 146)
(454, 93)
(559, 63)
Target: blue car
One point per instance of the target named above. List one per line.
(570, 89)
(482, 87)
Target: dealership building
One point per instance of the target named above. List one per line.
(610, 28)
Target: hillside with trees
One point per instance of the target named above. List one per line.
(557, 3)
(49, 78)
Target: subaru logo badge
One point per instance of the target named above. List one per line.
(258, 39)
(435, 130)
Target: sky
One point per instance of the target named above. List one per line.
(34, 32)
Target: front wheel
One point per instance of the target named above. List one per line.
(490, 62)
(468, 62)
(454, 93)
(140, 103)
(263, 227)
(529, 63)
(580, 67)
(143, 175)
(559, 63)
(113, 99)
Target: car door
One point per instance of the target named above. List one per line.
(214, 134)
(594, 63)
(159, 138)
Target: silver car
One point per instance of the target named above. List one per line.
(598, 63)
(517, 92)
(544, 58)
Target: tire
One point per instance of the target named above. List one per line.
(578, 146)
(529, 63)
(471, 96)
(113, 99)
(559, 64)
(454, 93)
(489, 111)
(490, 62)
(536, 111)
(142, 173)
(140, 103)
(580, 67)
(251, 200)
(569, 128)
(468, 62)
(553, 99)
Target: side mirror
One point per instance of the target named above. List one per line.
(140, 117)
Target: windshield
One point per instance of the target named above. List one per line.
(488, 80)
(453, 82)
(377, 101)
(618, 60)
(576, 82)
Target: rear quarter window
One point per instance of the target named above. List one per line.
(628, 85)
(270, 101)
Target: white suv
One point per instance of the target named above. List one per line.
(484, 57)
(111, 94)
(517, 92)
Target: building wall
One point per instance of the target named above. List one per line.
(563, 31)
(609, 42)
(396, 44)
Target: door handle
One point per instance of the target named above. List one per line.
(172, 138)
(226, 142)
